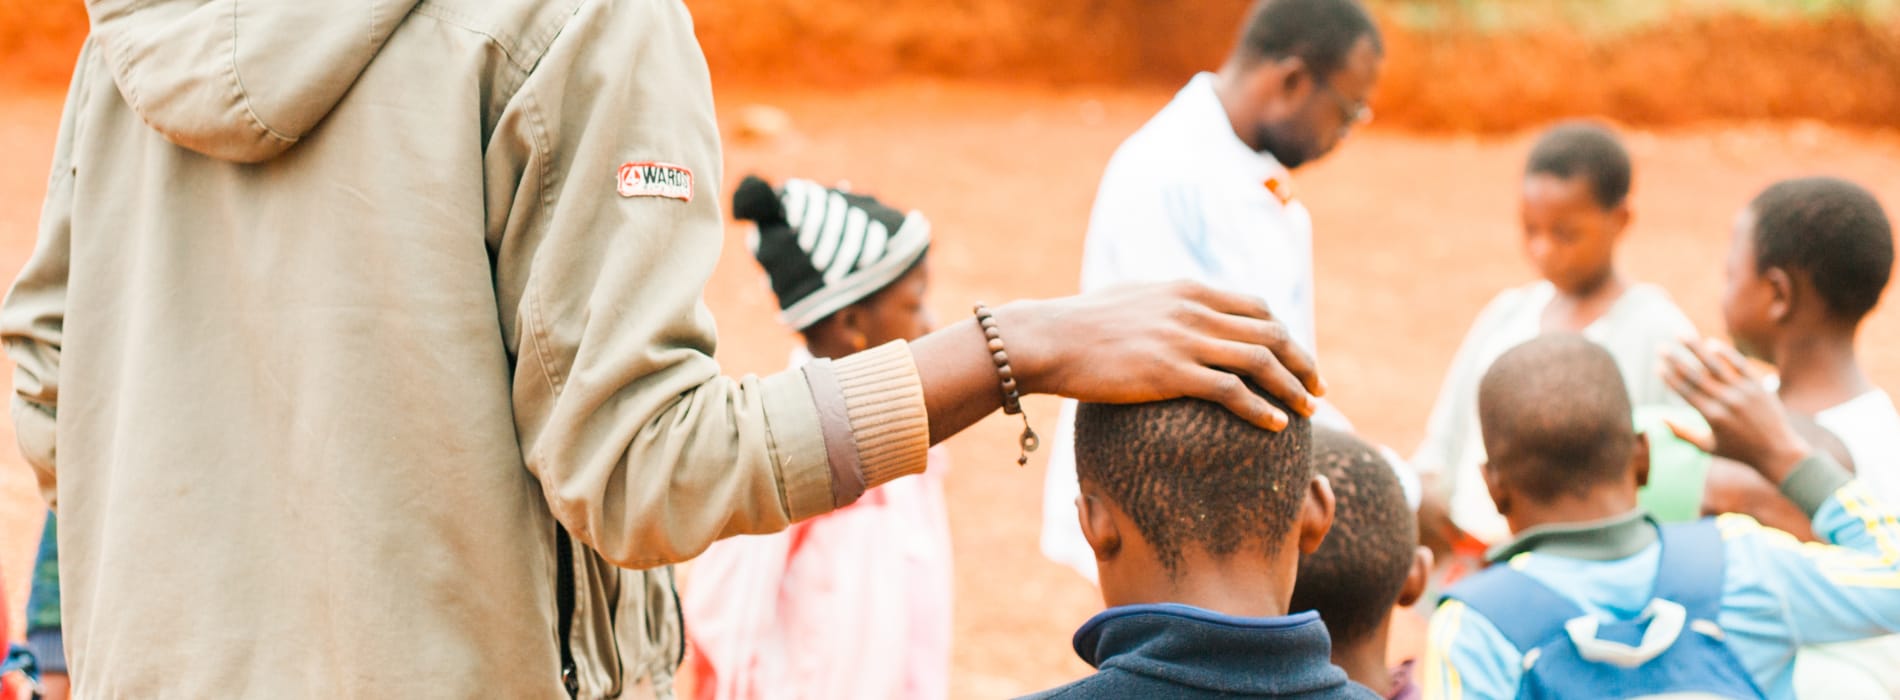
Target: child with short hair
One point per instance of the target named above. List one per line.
(855, 603)
(1574, 209)
(1808, 261)
(1595, 599)
(1197, 521)
(1370, 562)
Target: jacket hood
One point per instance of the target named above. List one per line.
(239, 80)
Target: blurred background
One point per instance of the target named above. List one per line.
(996, 117)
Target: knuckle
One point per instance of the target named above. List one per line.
(1184, 312)
(1278, 335)
(1229, 386)
(1262, 358)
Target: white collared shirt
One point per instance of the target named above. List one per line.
(1184, 198)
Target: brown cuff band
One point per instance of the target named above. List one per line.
(834, 420)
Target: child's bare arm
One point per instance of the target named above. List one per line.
(1732, 487)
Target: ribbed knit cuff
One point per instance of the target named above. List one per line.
(885, 401)
(1815, 479)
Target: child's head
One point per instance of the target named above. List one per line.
(1557, 429)
(1179, 488)
(1807, 255)
(1575, 204)
(850, 273)
(1370, 560)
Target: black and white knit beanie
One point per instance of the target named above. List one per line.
(825, 249)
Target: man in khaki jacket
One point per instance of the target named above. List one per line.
(363, 344)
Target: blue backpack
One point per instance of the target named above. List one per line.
(1673, 649)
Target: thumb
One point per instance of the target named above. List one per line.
(1702, 441)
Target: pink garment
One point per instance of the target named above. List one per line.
(852, 604)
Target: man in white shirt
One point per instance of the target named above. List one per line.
(1203, 190)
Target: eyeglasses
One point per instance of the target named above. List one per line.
(1354, 113)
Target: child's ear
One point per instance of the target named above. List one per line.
(1098, 527)
(1620, 217)
(1781, 294)
(1417, 577)
(1639, 460)
(1494, 483)
(1316, 513)
(851, 324)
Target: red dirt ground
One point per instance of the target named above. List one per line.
(1682, 70)
(1413, 235)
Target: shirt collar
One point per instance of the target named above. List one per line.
(1209, 116)
(1200, 648)
(1608, 539)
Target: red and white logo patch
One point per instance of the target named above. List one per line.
(656, 180)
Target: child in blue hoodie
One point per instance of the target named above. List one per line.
(1198, 521)
(1594, 599)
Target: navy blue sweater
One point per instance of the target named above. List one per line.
(1180, 651)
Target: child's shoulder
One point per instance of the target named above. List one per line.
(1648, 305)
(1511, 301)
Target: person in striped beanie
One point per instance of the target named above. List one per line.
(836, 260)
(855, 603)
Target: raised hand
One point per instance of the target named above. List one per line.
(1746, 421)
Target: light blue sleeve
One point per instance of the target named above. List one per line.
(1845, 591)
(1466, 658)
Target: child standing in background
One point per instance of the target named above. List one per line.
(855, 603)
(1575, 209)
(1595, 599)
(1808, 261)
(1370, 562)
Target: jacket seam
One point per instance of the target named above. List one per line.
(243, 95)
(537, 327)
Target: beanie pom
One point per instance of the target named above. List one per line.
(755, 201)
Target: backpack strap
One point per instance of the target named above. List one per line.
(1692, 568)
(1524, 610)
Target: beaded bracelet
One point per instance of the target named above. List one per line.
(1012, 399)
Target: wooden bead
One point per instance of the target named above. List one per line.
(1008, 375)
(1001, 358)
(996, 345)
(1009, 387)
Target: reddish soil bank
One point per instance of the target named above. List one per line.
(1450, 79)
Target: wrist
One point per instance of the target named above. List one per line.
(1030, 354)
(1781, 462)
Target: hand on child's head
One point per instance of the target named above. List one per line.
(1146, 343)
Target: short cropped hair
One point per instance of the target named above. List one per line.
(1319, 32)
(1556, 417)
(1355, 576)
(1189, 473)
(1586, 150)
(1832, 229)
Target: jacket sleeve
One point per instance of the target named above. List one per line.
(1846, 590)
(33, 317)
(643, 450)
